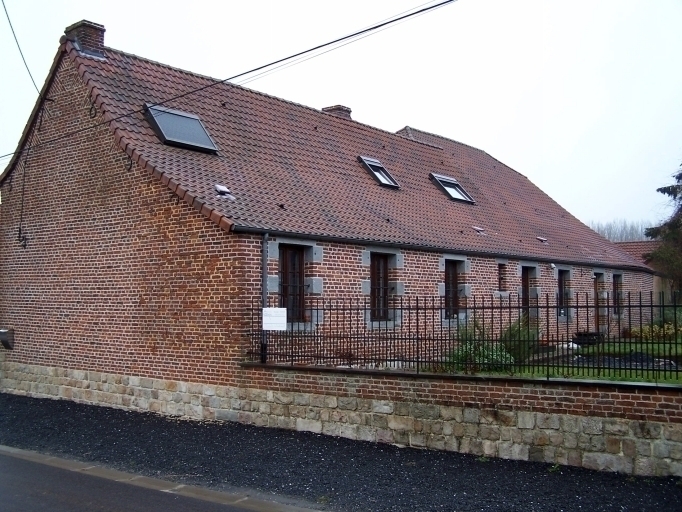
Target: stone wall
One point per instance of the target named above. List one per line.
(638, 445)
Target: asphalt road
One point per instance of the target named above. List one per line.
(59, 485)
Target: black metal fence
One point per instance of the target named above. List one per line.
(631, 338)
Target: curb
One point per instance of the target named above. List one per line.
(224, 498)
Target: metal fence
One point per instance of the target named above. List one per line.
(631, 338)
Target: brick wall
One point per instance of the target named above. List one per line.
(117, 275)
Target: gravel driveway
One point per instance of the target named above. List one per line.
(335, 474)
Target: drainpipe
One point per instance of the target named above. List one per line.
(264, 297)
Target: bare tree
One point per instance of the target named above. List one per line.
(621, 230)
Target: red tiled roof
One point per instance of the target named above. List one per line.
(294, 169)
(638, 249)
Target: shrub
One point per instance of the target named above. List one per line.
(665, 332)
(671, 315)
(474, 353)
(520, 340)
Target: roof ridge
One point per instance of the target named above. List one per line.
(467, 145)
(411, 128)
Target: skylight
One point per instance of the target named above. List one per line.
(378, 172)
(181, 129)
(452, 188)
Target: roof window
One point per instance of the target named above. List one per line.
(452, 188)
(379, 172)
(181, 129)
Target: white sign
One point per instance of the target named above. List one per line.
(274, 319)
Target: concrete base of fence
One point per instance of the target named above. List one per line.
(608, 444)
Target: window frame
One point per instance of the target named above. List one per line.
(150, 108)
(451, 277)
(292, 282)
(501, 277)
(617, 288)
(379, 287)
(377, 170)
(563, 291)
(445, 183)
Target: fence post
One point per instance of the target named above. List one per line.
(418, 348)
(263, 333)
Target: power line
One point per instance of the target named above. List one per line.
(19, 47)
(354, 35)
(301, 60)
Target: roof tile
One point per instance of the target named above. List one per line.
(294, 169)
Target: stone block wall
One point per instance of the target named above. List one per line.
(544, 431)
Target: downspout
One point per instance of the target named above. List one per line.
(264, 296)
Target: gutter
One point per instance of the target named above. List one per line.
(264, 296)
(414, 247)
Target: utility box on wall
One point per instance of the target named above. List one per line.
(7, 338)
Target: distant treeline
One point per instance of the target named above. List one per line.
(621, 230)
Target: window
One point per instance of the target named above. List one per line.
(501, 271)
(451, 290)
(617, 293)
(292, 282)
(181, 129)
(378, 172)
(563, 293)
(452, 188)
(379, 287)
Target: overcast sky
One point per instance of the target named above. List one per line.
(581, 96)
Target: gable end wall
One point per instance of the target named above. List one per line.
(117, 274)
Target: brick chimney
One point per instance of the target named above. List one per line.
(89, 36)
(338, 111)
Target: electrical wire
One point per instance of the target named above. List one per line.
(304, 59)
(19, 47)
(354, 35)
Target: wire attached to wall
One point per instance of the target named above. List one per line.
(22, 238)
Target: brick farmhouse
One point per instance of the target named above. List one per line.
(143, 200)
